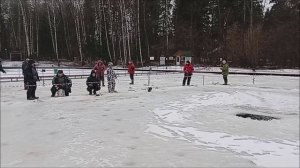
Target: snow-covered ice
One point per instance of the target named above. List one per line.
(172, 126)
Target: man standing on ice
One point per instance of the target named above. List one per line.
(24, 66)
(31, 77)
(131, 70)
(225, 71)
(99, 69)
(111, 76)
(188, 72)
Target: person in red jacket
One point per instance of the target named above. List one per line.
(188, 72)
(131, 69)
(99, 69)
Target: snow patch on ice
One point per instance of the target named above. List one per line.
(262, 152)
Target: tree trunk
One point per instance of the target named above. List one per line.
(123, 32)
(106, 34)
(139, 34)
(77, 27)
(25, 24)
(145, 30)
(65, 32)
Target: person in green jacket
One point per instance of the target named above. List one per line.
(225, 71)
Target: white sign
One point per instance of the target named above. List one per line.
(171, 58)
(162, 61)
(151, 58)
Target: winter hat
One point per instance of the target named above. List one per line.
(60, 71)
(93, 71)
(187, 62)
(224, 61)
(110, 64)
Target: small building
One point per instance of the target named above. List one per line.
(181, 56)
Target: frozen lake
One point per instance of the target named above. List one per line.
(172, 126)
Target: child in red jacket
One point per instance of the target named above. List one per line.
(99, 68)
(131, 70)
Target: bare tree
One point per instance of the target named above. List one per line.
(25, 25)
(53, 26)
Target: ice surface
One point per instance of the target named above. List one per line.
(172, 126)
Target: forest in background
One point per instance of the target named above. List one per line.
(244, 32)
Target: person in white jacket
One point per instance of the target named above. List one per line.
(111, 78)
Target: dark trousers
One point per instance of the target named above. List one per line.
(31, 90)
(66, 89)
(188, 78)
(132, 78)
(101, 78)
(225, 79)
(93, 88)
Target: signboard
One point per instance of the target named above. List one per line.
(177, 60)
(162, 61)
(171, 58)
(151, 58)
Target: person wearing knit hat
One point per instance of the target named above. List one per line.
(111, 78)
(61, 81)
(31, 77)
(93, 83)
(225, 71)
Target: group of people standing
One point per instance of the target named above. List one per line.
(96, 78)
(62, 82)
(188, 70)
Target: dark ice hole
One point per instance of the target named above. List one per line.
(256, 117)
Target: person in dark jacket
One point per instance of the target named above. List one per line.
(93, 83)
(188, 72)
(24, 66)
(61, 81)
(1, 68)
(31, 77)
(131, 70)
